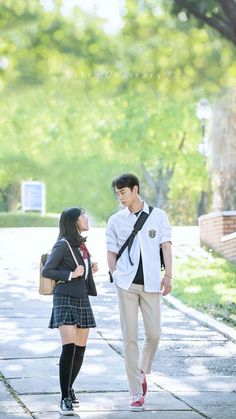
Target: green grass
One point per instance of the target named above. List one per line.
(27, 220)
(209, 285)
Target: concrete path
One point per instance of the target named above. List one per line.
(193, 373)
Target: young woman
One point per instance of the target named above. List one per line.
(71, 312)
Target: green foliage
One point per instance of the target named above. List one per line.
(27, 220)
(208, 284)
(80, 106)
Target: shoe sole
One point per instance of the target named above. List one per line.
(136, 409)
(66, 413)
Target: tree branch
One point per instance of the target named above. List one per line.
(229, 8)
(148, 178)
(224, 29)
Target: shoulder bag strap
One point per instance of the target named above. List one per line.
(73, 255)
(137, 226)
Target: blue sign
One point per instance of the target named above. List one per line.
(33, 196)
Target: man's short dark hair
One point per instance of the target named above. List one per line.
(126, 180)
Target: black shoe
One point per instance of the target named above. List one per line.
(73, 397)
(66, 407)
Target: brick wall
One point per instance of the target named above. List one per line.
(216, 232)
(229, 246)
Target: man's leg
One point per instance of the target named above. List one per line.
(150, 307)
(128, 304)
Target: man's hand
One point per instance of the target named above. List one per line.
(166, 285)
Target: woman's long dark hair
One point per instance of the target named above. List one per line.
(68, 228)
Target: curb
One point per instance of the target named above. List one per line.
(206, 320)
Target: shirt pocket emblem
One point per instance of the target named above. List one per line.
(152, 233)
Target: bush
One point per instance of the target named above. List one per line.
(9, 219)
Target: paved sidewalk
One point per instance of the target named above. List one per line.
(193, 373)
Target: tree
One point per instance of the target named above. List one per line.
(149, 40)
(161, 181)
(37, 49)
(81, 106)
(219, 15)
(223, 160)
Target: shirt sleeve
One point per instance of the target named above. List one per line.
(53, 267)
(165, 229)
(111, 237)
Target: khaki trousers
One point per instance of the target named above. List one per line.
(129, 302)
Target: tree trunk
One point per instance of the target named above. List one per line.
(11, 197)
(158, 181)
(223, 155)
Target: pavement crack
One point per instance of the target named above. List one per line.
(114, 347)
(181, 400)
(119, 352)
(14, 394)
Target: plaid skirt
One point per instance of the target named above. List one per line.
(71, 310)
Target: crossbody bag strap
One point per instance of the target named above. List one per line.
(137, 227)
(73, 255)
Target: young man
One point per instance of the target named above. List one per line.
(136, 275)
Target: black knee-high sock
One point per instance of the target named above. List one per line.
(78, 361)
(65, 368)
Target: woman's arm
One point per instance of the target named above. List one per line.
(52, 268)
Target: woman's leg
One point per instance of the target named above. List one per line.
(68, 333)
(81, 337)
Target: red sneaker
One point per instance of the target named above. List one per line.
(144, 383)
(137, 403)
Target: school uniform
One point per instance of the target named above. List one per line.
(71, 303)
(155, 231)
(138, 285)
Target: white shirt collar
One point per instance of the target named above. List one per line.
(145, 208)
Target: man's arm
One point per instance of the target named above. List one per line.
(111, 260)
(166, 283)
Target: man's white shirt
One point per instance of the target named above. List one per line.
(155, 231)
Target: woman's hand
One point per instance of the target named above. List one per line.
(79, 271)
(94, 267)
